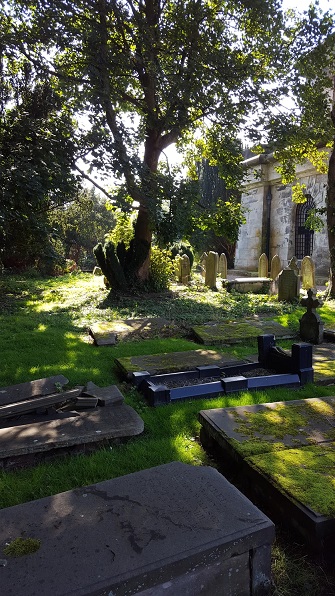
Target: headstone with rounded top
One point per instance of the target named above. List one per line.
(276, 267)
(177, 265)
(185, 269)
(288, 285)
(212, 263)
(293, 264)
(222, 270)
(263, 266)
(307, 273)
(202, 263)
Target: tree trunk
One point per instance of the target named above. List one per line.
(331, 214)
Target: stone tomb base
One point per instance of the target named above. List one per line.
(284, 453)
(176, 530)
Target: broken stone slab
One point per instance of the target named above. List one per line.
(92, 426)
(22, 391)
(106, 395)
(175, 529)
(43, 402)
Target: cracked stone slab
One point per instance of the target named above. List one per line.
(105, 395)
(175, 529)
(92, 426)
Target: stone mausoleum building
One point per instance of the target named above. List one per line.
(275, 224)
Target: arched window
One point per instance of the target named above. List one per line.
(303, 236)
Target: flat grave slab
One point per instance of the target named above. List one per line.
(273, 426)
(175, 529)
(285, 453)
(174, 362)
(38, 387)
(234, 332)
(33, 439)
(107, 333)
(324, 363)
(248, 284)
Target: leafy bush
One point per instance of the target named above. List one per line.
(161, 269)
(181, 249)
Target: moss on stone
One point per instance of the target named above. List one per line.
(283, 426)
(20, 547)
(306, 474)
(231, 332)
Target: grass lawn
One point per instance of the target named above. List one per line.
(44, 332)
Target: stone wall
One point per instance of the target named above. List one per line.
(253, 234)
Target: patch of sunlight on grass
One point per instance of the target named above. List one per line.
(41, 327)
(188, 450)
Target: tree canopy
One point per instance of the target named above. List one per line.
(142, 74)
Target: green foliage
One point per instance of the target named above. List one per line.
(78, 226)
(181, 248)
(161, 269)
(123, 230)
(225, 219)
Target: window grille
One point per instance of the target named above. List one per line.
(303, 236)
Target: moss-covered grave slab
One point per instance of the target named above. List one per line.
(264, 428)
(285, 453)
(306, 474)
(324, 363)
(108, 332)
(236, 332)
(174, 361)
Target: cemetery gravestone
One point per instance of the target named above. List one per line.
(293, 264)
(212, 263)
(185, 269)
(222, 270)
(311, 326)
(203, 260)
(307, 273)
(276, 267)
(263, 266)
(288, 285)
(177, 264)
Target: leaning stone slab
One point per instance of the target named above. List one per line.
(176, 530)
(105, 395)
(173, 362)
(86, 428)
(39, 387)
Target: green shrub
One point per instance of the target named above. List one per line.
(161, 269)
(181, 249)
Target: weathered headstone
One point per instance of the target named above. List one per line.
(276, 267)
(212, 263)
(263, 266)
(311, 326)
(288, 285)
(293, 264)
(307, 273)
(222, 269)
(202, 263)
(185, 269)
(177, 265)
